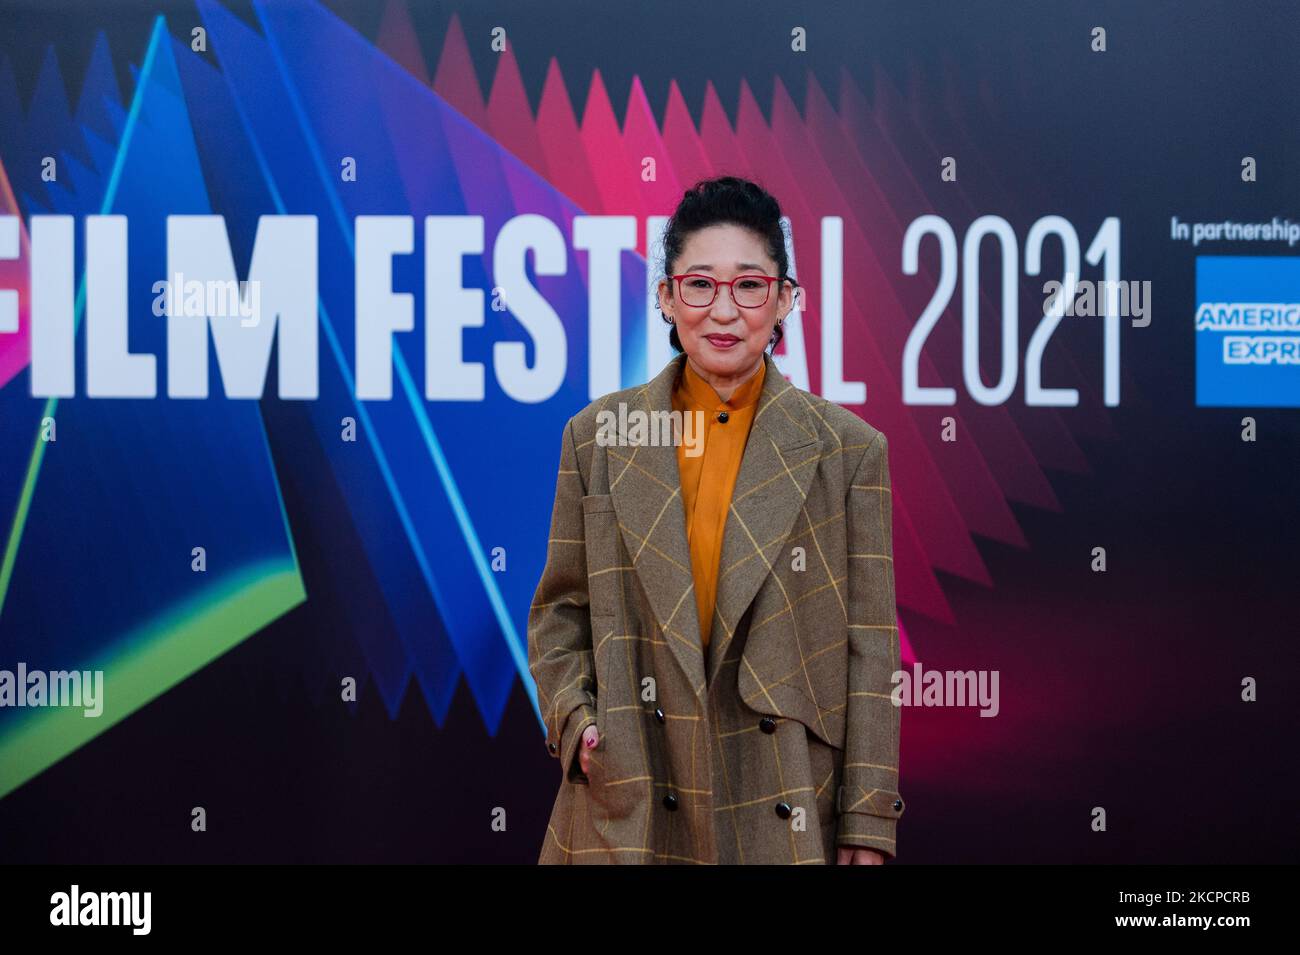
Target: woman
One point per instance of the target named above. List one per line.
(714, 634)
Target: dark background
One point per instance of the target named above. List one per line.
(1201, 528)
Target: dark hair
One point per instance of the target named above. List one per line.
(726, 200)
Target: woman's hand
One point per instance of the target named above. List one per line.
(590, 739)
(853, 855)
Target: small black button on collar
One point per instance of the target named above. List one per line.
(723, 417)
(783, 810)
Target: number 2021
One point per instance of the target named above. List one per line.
(1104, 249)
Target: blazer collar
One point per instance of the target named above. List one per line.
(776, 471)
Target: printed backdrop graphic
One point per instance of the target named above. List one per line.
(1097, 505)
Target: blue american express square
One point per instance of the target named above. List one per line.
(1247, 331)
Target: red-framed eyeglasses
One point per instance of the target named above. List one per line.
(748, 291)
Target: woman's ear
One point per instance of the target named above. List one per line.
(785, 301)
(666, 298)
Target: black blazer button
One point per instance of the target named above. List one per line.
(898, 805)
(551, 747)
(783, 810)
(670, 802)
(723, 417)
(659, 715)
(767, 724)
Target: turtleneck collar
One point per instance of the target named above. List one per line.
(701, 394)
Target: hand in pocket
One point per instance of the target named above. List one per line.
(590, 740)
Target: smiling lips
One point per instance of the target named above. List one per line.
(722, 341)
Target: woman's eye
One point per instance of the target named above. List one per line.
(750, 283)
(700, 283)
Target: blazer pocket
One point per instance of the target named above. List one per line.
(595, 503)
(613, 794)
(602, 542)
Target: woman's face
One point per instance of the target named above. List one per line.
(724, 341)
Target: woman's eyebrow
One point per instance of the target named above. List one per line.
(740, 267)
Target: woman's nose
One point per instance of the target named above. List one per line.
(724, 306)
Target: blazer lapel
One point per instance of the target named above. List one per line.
(645, 487)
(776, 471)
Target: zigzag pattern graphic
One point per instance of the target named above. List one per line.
(262, 132)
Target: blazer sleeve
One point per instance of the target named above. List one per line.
(869, 802)
(560, 655)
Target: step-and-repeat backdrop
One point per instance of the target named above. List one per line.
(297, 297)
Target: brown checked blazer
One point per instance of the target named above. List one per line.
(780, 743)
